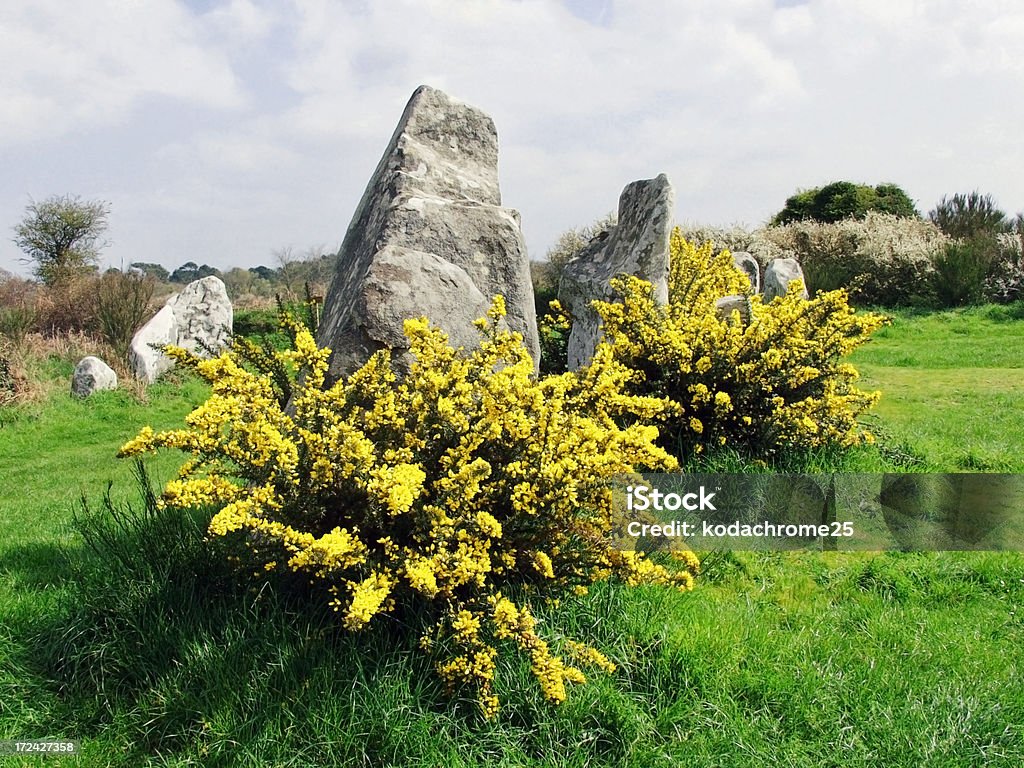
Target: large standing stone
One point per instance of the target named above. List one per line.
(429, 238)
(779, 274)
(637, 245)
(198, 319)
(91, 375)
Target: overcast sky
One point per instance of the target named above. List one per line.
(220, 130)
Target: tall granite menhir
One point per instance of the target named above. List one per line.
(429, 238)
(637, 245)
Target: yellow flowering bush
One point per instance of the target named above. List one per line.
(464, 487)
(775, 383)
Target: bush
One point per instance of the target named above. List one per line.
(970, 215)
(775, 385)
(961, 270)
(882, 260)
(844, 200)
(122, 306)
(457, 493)
(8, 385)
(546, 275)
(68, 307)
(1005, 280)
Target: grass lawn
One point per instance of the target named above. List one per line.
(806, 659)
(952, 386)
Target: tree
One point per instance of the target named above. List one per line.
(62, 236)
(845, 200)
(190, 271)
(970, 216)
(157, 271)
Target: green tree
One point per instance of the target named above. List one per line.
(970, 216)
(845, 200)
(62, 236)
(157, 271)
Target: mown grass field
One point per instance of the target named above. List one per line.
(151, 655)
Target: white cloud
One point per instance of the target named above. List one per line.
(285, 108)
(67, 67)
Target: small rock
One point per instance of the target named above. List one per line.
(91, 375)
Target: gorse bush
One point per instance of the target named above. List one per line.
(765, 388)
(460, 492)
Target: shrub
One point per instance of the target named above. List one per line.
(546, 275)
(554, 328)
(882, 260)
(68, 307)
(1005, 280)
(774, 385)
(8, 385)
(961, 271)
(450, 493)
(122, 306)
(968, 216)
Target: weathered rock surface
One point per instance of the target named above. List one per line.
(198, 319)
(750, 267)
(779, 274)
(637, 245)
(725, 306)
(91, 375)
(429, 238)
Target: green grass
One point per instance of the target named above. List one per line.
(952, 386)
(149, 652)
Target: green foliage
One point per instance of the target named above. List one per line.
(845, 200)
(61, 236)
(961, 270)
(190, 271)
(767, 386)
(156, 271)
(457, 493)
(882, 260)
(968, 216)
(554, 328)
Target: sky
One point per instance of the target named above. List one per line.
(220, 131)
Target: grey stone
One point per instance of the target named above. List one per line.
(199, 319)
(637, 245)
(725, 306)
(203, 316)
(429, 238)
(147, 362)
(779, 274)
(748, 264)
(92, 375)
